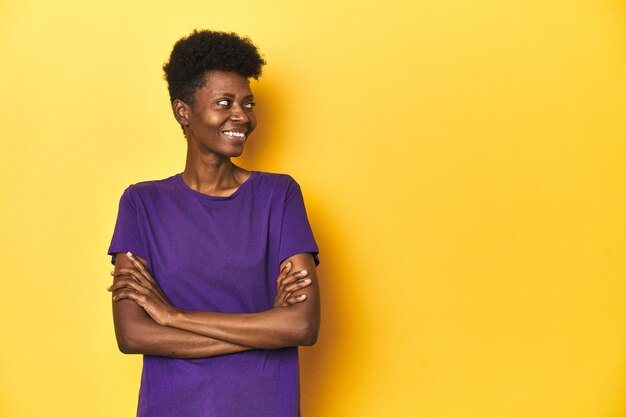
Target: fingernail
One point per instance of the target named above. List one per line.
(303, 272)
(306, 281)
(302, 297)
(129, 253)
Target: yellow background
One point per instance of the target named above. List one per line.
(463, 165)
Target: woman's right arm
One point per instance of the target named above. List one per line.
(136, 332)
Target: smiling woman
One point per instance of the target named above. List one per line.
(215, 267)
(221, 117)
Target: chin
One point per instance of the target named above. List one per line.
(235, 153)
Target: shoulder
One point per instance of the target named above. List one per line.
(279, 186)
(149, 188)
(276, 179)
(283, 189)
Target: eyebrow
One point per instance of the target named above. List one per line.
(230, 95)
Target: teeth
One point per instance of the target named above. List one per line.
(237, 134)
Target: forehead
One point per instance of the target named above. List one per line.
(226, 82)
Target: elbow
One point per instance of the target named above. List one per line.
(127, 344)
(124, 346)
(133, 328)
(303, 329)
(309, 340)
(307, 335)
(125, 349)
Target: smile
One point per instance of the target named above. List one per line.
(234, 134)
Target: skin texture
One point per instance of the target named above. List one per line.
(136, 332)
(224, 103)
(293, 321)
(145, 321)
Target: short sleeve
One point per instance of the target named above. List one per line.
(127, 235)
(296, 234)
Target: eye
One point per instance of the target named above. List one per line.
(249, 105)
(223, 102)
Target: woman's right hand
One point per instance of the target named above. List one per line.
(288, 283)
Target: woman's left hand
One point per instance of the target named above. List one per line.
(138, 285)
(287, 284)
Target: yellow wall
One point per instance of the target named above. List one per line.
(463, 165)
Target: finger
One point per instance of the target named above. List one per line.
(125, 280)
(130, 284)
(147, 282)
(284, 279)
(296, 299)
(125, 293)
(283, 272)
(122, 271)
(143, 287)
(293, 277)
(282, 293)
(140, 278)
(128, 271)
(303, 283)
(284, 298)
(135, 261)
(140, 266)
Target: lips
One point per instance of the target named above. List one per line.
(237, 135)
(234, 133)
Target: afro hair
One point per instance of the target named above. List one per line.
(203, 51)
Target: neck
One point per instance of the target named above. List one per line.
(210, 173)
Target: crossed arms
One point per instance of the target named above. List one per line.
(146, 323)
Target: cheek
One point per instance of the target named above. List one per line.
(252, 119)
(214, 120)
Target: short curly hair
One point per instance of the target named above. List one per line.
(205, 50)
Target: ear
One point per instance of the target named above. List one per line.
(182, 112)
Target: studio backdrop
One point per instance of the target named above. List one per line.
(463, 165)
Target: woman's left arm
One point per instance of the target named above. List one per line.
(291, 325)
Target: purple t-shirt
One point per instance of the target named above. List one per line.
(217, 253)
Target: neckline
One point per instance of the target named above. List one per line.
(191, 191)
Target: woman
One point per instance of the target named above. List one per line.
(215, 267)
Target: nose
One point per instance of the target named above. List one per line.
(239, 115)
